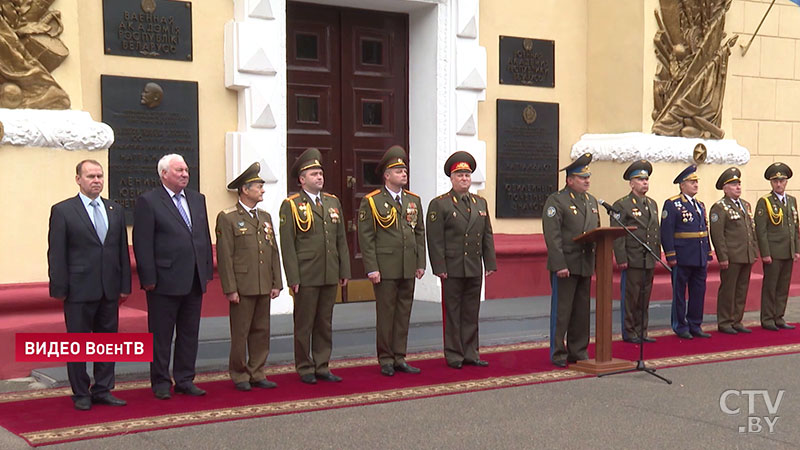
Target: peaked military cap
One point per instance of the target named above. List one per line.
(459, 162)
(638, 169)
(778, 171)
(395, 156)
(688, 174)
(309, 159)
(730, 175)
(250, 175)
(580, 166)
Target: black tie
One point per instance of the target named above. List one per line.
(465, 199)
(397, 199)
(318, 202)
(254, 213)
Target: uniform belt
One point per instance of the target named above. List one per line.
(690, 235)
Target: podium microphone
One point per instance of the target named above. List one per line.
(608, 207)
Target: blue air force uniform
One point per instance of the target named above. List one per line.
(684, 238)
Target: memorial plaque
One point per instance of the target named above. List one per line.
(150, 118)
(148, 28)
(527, 157)
(528, 62)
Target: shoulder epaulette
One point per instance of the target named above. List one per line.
(292, 197)
(621, 199)
(262, 210)
(478, 196)
(675, 197)
(409, 192)
(720, 201)
(373, 193)
(229, 210)
(329, 195)
(444, 195)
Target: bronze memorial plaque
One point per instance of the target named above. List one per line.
(527, 157)
(527, 62)
(148, 28)
(150, 118)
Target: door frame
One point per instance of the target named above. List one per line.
(445, 31)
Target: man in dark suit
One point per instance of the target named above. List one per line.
(172, 245)
(90, 271)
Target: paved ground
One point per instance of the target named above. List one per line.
(620, 411)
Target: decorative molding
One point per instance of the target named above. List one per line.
(65, 129)
(625, 147)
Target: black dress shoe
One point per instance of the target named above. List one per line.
(700, 334)
(727, 330)
(329, 377)
(769, 327)
(633, 340)
(477, 362)
(455, 364)
(190, 389)
(108, 399)
(560, 363)
(162, 394)
(264, 384)
(244, 386)
(308, 378)
(684, 335)
(785, 326)
(649, 339)
(742, 329)
(387, 370)
(82, 403)
(404, 367)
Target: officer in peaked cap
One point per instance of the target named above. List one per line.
(246, 238)
(391, 234)
(776, 231)
(316, 260)
(684, 237)
(458, 221)
(734, 238)
(637, 210)
(567, 214)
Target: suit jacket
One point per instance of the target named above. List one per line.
(567, 215)
(81, 268)
(684, 232)
(460, 243)
(392, 242)
(318, 256)
(247, 253)
(777, 232)
(167, 253)
(733, 231)
(642, 214)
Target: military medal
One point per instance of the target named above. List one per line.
(412, 214)
(334, 214)
(574, 209)
(269, 233)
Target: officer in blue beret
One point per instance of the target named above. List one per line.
(684, 237)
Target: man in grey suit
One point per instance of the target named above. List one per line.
(90, 271)
(172, 245)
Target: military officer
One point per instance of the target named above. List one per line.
(459, 222)
(316, 261)
(569, 213)
(684, 237)
(637, 210)
(249, 269)
(734, 238)
(391, 235)
(776, 231)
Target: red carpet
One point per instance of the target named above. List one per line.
(46, 416)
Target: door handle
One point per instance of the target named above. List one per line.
(351, 182)
(351, 226)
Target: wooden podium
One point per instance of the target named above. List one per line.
(603, 362)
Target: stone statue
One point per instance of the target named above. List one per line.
(29, 50)
(692, 56)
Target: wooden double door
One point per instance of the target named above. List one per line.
(347, 95)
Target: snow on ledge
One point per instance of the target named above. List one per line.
(625, 147)
(67, 129)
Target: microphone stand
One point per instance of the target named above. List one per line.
(640, 364)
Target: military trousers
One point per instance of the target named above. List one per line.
(461, 304)
(635, 302)
(569, 316)
(732, 294)
(249, 338)
(688, 316)
(393, 299)
(313, 314)
(775, 291)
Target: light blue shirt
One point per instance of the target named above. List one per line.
(90, 209)
(183, 201)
